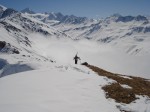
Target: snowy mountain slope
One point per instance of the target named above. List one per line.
(2, 9)
(8, 12)
(28, 10)
(67, 87)
(72, 88)
(131, 35)
(20, 40)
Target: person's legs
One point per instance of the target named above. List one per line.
(76, 61)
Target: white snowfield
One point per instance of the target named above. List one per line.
(60, 89)
(64, 89)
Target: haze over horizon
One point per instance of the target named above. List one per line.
(90, 8)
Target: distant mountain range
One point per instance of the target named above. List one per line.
(131, 33)
(56, 16)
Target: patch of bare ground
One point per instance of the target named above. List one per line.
(139, 86)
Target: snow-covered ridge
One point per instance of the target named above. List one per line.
(71, 88)
(18, 45)
(8, 12)
(45, 17)
(3, 7)
(28, 10)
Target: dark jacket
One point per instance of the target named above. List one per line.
(76, 58)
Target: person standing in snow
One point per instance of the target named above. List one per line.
(76, 58)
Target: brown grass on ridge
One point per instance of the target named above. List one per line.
(140, 86)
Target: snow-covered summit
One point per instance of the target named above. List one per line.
(8, 12)
(131, 18)
(2, 7)
(27, 10)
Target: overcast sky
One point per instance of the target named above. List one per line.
(88, 8)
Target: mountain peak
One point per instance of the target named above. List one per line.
(8, 12)
(131, 18)
(116, 15)
(2, 7)
(28, 10)
(140, 18)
